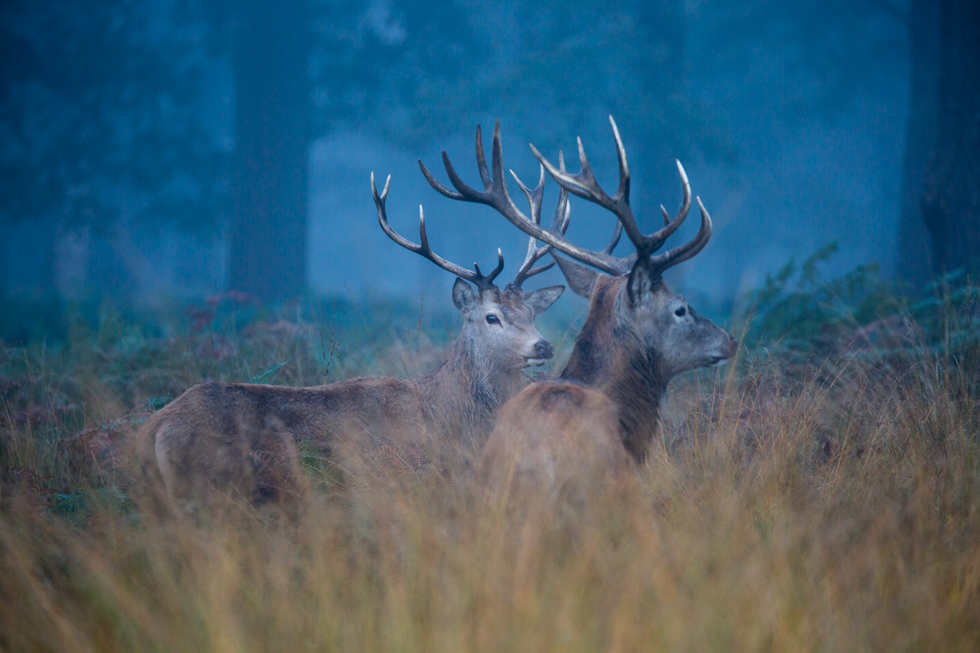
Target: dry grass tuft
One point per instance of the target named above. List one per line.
(829, 504)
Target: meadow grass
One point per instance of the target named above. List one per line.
(818, 495)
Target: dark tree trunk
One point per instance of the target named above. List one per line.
(914, 243)
(951, 194)
(268, 226)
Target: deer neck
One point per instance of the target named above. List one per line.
(465, 394)
(611, 358)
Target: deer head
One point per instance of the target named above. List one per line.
(498, 325)
(670, 330)
(638, 313)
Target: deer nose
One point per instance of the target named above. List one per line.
(732, 346)
(544, 349)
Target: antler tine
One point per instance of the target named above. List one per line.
(541, 251)
(681, 253)
(534, 200)
(657, 239)
(624, 186)
(563, 211)
(487, 281)
(481, 160)
(495, 188)
(483, 282)
(624, 170)
(559, 223)
(534, 197)
(497, 197)
(617, 234)
(585, 185)
(453, 195)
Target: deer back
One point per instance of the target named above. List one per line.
(637, 336)
(218, 441)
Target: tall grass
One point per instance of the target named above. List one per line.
(818, 495)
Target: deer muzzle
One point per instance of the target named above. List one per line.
(543, 352)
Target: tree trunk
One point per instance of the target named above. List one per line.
(268, 227)
(914, 260)
(951, 195)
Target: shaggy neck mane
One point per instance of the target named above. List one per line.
(466, 392)
(610, 357)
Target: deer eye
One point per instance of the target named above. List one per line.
(493, 319)
(681, 312)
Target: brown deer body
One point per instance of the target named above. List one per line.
(240, 440)
(605, 408)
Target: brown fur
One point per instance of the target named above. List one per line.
(608, 357)
(607, 403)
(573, 453)
(238, 441)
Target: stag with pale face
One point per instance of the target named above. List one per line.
(236, 440)
(605, 408)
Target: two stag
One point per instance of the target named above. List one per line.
(239, 441)
(602, 412)
(605, 408)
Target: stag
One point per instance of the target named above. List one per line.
(240, 440)
(604, 409)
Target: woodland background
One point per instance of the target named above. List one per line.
(163, 150)
(184, 195)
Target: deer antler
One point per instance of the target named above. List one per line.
(496, 196)
(483, 282)
(584, 185)
(559, 223)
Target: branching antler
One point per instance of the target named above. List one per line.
(496, 196)
(559, 223)
(584, 185)
(483, 282)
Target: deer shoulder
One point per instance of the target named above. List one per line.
(638, 335)
(225, 439)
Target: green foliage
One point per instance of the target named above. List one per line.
(156, 403)
(800, 312)
(950, 311)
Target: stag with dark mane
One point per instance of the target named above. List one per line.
(605, 408)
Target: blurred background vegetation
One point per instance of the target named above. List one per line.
(184, 196)
(166, 150)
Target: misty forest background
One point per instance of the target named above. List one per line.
(185, 195)
(161, 151)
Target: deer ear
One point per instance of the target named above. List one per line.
(463, 296)
(580, 278)
(541, 299)
(641, 281)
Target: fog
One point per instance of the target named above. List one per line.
(123, 179)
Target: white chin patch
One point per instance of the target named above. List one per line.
(535, 362)
(719, 362)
